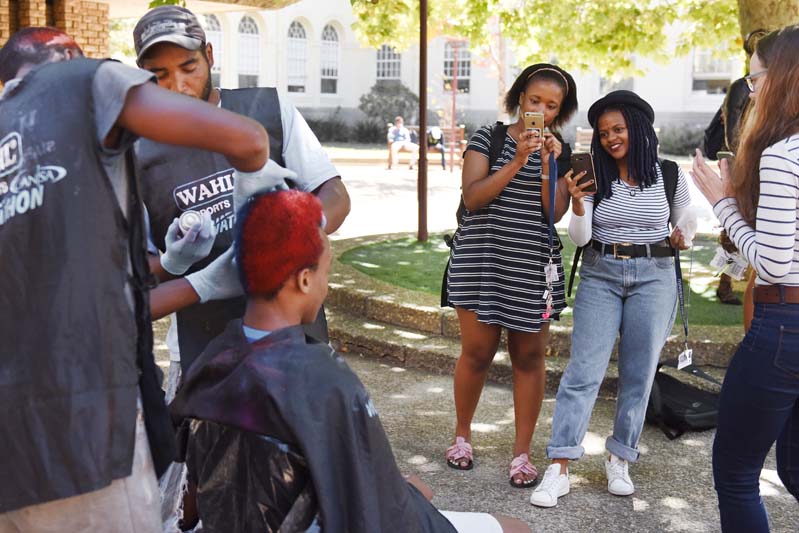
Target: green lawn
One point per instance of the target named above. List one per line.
(420, 266)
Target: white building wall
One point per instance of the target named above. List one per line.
(667, 87)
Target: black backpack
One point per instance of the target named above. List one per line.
(676, 407)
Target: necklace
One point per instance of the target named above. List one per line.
(632, 190)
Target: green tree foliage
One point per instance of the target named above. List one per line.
(599, 35)
(120, 33)
(158, 3)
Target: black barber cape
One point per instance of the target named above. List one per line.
(304, 397)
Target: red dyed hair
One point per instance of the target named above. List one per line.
(33, 46)
(278, 235)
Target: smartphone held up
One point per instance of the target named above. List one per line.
(583, 162)
(534, 122)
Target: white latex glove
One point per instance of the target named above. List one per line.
(247, 184)
(195, 245)
(219, 280)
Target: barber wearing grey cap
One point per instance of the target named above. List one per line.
(171, 43)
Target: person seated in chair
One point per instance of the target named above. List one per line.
(435, 139)
(278, 432)
(399, 139)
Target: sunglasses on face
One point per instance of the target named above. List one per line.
(750, 79)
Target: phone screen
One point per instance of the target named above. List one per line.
(582, 161)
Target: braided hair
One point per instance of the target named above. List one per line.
(642, 154)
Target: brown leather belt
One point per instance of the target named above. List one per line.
(776, 294)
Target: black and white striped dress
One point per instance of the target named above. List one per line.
(500, 251)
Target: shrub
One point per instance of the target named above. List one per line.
(330, 129)
(680, 140)
(369, 132)
(385, 101)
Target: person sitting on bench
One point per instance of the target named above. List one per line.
(435, 139)
(399, 139)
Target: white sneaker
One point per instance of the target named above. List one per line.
(619, 482)
(553, 486)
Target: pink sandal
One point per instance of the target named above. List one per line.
(522, 465)
(458, 452)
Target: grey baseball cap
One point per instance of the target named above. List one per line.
(167, 24)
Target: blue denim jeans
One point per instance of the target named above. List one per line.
(758, 406)
(636, 299)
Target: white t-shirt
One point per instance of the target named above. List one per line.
(303, 154)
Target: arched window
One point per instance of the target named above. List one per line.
(464, 62)
(297, 57)
(213, 35)
(329, 60)
(249, 52)
(388, 64)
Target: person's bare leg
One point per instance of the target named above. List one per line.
(511, 525)
(420, 485)
(396, 148)
(564, 464)
(527, 352)
(479, 344)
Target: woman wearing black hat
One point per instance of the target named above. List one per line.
(627, 288)
(496, 277)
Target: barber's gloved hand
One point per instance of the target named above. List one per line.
(219, 280)
(247, 184)
(195, 245)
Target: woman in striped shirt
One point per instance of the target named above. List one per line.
(496, 273)
(628, 287)
(757, 201)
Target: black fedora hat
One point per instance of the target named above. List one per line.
(619, 99)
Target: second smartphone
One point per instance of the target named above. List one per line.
(582, 161)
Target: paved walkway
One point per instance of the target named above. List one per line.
(673, 479)
(674, 488)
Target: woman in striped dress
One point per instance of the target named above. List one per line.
(496, 276)
(759, 208)
(628, 287)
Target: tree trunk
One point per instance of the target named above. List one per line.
(766, 14)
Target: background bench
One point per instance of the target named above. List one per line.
(452, 137)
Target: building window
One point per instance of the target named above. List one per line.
(607, 85)
(213, 35)
(329, 60)
(464, 68)
(249, 53)
(297, 57)
(711, 75)
(389, 63)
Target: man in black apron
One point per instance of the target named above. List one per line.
(171, 43)
(85, 428)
